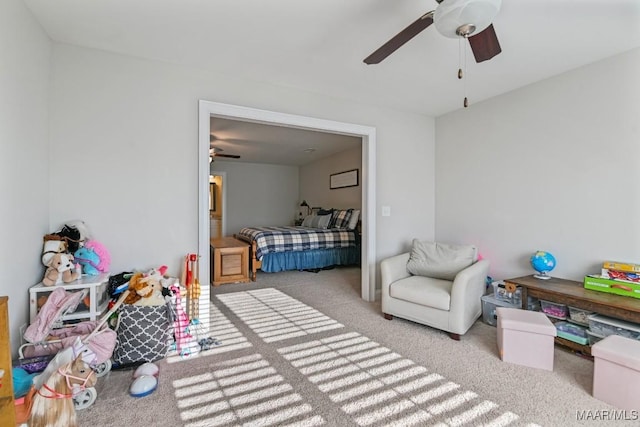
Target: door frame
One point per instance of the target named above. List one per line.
(208, 109)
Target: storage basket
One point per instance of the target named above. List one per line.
(489, 305)
(605, 326)
(580, 316)
(552, 309)
(144, 333)
(572, 332)
(593, 338)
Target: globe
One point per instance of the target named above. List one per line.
(542, 262)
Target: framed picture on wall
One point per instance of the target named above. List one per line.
(343, 179)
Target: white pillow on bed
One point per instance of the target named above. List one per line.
(316, 221)
(353, 221)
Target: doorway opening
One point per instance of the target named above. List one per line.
(208, 109)
(217, 203)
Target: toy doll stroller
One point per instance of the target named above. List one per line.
(45, 336)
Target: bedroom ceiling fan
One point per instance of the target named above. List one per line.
(469, 19)
(216, 152)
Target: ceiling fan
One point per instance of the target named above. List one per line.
(216, 152)
(470, 19)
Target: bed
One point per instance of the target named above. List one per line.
(322, 241)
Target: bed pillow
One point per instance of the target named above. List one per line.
(316, 221)
(340, 218)
(353, 222)
(440, 260)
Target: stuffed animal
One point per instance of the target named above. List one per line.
(72, 236)
(53, 244)
(82, 227)
(146, 289)
(103, 255)
(135, 285)
(60, 268)
(152, 292)
(89, 260)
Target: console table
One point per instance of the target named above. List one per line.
(574, 294)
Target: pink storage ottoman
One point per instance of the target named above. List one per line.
(616, 371)
(525, 338)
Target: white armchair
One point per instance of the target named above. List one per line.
(450, 305)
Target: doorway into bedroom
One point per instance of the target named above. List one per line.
(216, 211)
(259, 182)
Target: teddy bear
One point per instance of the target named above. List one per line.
(60, 268)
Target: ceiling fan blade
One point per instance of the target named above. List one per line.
(485, 44)
(231, 156)
(400, 39)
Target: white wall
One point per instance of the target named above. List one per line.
(552, 166)
(25, 53)
(124, 135)
(314, 181)
(258, 194)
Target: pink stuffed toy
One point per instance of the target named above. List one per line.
(102, 252)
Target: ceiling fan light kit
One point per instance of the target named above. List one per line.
(455, 18)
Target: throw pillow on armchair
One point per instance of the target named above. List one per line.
(440, 260)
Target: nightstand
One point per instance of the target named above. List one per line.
(230, 261)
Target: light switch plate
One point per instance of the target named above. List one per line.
(386, 211)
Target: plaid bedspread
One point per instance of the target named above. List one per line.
(290, 239)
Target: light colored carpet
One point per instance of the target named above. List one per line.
(303, 349)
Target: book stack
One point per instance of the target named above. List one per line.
(616, 278)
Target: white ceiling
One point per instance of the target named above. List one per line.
(260, 143)
(318, 45)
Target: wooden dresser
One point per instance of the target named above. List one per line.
(7, 407)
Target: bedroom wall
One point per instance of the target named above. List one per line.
(258, 194)
(552, 166)
(124, 134)
(25, 53)
(314, 181)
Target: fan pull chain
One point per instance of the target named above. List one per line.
(459, 59)
(462, 62)
(466, 101)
